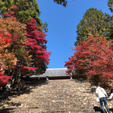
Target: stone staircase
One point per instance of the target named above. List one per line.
(55, 96)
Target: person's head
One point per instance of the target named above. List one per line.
(96, 84)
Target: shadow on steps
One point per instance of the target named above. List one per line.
(98, 109)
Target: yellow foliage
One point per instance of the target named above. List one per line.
(12, 39)
(7, 60)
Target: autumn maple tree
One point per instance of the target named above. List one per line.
(36, 46)
(7, 59)
(13, 51)
(93, 59)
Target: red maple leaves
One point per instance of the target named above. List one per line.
(93, 58)
(36, 40)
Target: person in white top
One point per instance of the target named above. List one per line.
(101, 94)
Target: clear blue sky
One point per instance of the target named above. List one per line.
(62, 24)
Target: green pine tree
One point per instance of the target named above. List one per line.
(62, 2)
(27, 9)
(110, 5)
(94, 22)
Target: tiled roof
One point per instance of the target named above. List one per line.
(54, 72)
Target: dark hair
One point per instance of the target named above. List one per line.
(112, 90)
(96, 84)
